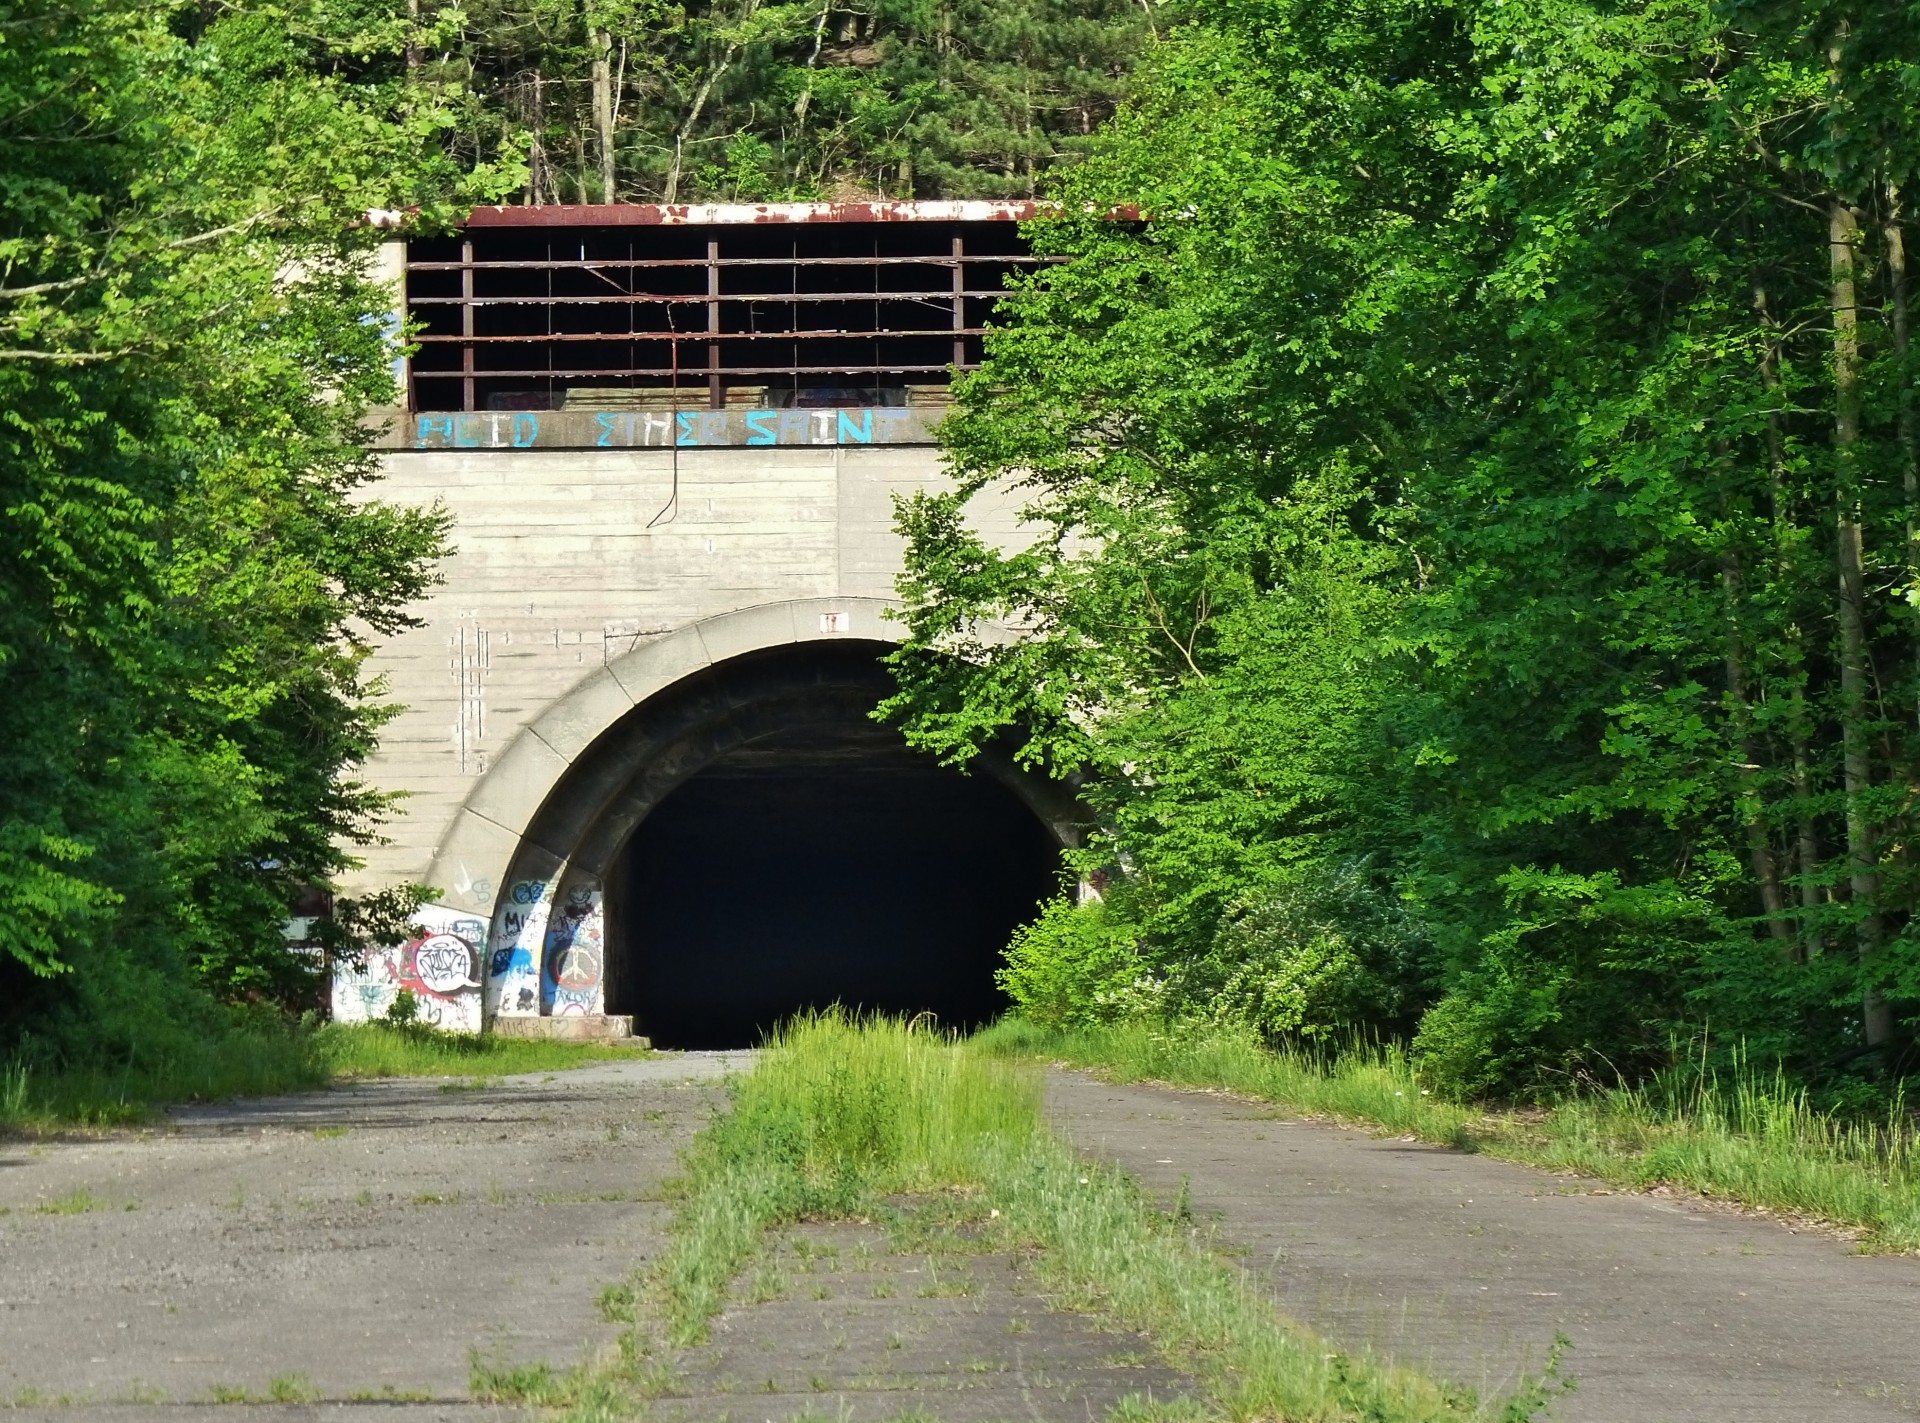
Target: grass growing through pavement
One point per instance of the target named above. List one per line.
(837, 1115)
(254, 1059)
(1757, 1141)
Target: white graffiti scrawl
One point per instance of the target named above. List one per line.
(439, 964)
(576, 955)
(513, 977)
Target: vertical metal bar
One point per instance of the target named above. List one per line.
(716, 398)
(959, 302)
(466, 323)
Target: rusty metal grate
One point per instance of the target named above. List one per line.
(648, 307)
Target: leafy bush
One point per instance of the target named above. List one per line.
(1326, 952)
(1077, 965)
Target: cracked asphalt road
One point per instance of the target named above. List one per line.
(1469, 1267)
(356, 1243)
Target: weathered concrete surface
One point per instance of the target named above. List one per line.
(1469, 1267)
(361, 1241)
(565, 562)
(844, 1322)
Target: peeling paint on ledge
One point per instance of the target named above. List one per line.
(752, 214)
(659, 429)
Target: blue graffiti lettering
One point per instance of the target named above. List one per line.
(441, 425)
(687, 435)
(861, 434)
(526, 429)
(606, 429)
(509, 961)
(760, 427)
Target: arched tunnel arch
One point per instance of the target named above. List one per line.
(747, 843)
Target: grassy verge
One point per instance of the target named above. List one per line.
(1756, 1142)
(263, 1059)
(837, 1118)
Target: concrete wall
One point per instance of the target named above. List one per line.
(568, 559)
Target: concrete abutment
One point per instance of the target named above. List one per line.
(583, 670)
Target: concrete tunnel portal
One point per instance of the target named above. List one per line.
(767, 848)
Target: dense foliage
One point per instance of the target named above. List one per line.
(754, 100)
(189, 348)
(1477, 564)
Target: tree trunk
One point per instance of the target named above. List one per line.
(1806, 833)
(707, 81)
(1908, 421)
(801, 104)
(1760, 856)
(1843, 227)
(536, 154)
(603, 109)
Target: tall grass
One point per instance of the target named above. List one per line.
(1755, 1139)
(257, 1056)
(838, 1113)
(350, 1050)
(247, 1058)
(834, 1113)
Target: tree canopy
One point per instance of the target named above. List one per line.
(1477, 504)
(194, 572)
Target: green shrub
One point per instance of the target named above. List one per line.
(1077, 965)
(1323, 953)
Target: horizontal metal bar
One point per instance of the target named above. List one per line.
(687, 372)
(649, 298)
(759, 214)
(594, 264)
(698, 338)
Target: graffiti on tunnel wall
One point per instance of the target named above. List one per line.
(440, 963)
(519, 931)
(575, 957)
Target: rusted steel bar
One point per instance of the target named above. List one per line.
(466, 321)
(959, 299)
(696, 298)
(637, 337)
(752, 214)
(833, 370)
(590, 263)
(715, 394)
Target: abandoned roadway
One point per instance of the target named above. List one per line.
(354, 1244)
(360, 1246)
(1676, 1312)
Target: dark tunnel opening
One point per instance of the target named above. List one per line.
(801, 872)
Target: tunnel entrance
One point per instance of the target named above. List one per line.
(830, 866)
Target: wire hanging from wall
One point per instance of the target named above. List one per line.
(670, 510)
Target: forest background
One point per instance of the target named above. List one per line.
(1478, 593)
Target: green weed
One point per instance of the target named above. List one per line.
(292, 1388)
(76, 1202)
(13, 1094)
(616, 1304)
(387, 1393)
(534, 1384)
